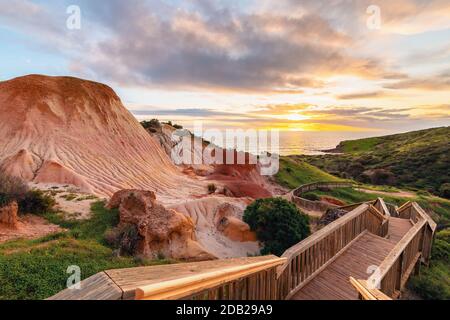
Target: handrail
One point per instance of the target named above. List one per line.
(192, 285)
(383, 208)
(322, 233)
(367, 294)
(395, 269)
(392, 257)
(306, 259)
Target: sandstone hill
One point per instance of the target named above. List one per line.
(70, 131)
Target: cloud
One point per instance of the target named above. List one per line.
(188, 112)
(437, 82)
(195, 45)
(362, 95)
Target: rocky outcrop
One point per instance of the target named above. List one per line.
(162, 232)
(8, 215)
(332, 215)
(236, 230)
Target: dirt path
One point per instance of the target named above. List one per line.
(401, 194)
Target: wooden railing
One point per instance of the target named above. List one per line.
(320, 185)
(366, 293)
(382, 207)
(396, 269)
(256, 281)
(321, 206)
(314, 254)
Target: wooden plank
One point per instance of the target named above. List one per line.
(182, 287)
(98, 287)
(132, 278)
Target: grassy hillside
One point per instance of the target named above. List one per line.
(295, 172)
(419, 160)
(37, 269)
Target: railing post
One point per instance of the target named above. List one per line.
(398, 280)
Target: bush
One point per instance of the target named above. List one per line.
(355, 169)
(278, 224)
(124, 237)
(11, 188)
(36, 202)
(152, 124)
(383, 177)
(444, 191)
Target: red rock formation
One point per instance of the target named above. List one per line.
(68, 130)
(8, 215)
(163, 231)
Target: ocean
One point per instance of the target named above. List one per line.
(311, 142)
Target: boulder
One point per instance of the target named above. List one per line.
(236, 230)
(332, 215)
(162, 232)
(9, 215)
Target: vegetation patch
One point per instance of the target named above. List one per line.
(37, 269)
(295, 172)
(278, 224)
(418, 160)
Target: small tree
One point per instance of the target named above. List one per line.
(278, 224)
(11, 188)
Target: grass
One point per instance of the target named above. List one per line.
(295, 172)
(358, 146)
(417, 160)
(36, 269)
(434, 282)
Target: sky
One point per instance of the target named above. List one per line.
(295, 65)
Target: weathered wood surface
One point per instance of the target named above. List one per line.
(131, 279)
(320, 267)
(200, 286)
(398, 228)
(367, 293)
(333, 282)
(97, 287)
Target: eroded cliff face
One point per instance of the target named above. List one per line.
(162, 232)
(9, 216)
(71, 131)
(68, 131)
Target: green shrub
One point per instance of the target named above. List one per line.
(383, 177)
(36, 202)
(11, 188)
(444, 190)
(123, 237)
(278, 224)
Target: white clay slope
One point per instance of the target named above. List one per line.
(70, 131)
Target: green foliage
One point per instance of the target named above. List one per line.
(278, 224)
(434, 283)
(36, 202)
(123, 237)
(444, 191)
(152, 124)
(417, 159)
(294, 172)
(11, 188)
(36, 269)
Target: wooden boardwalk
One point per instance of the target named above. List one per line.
(357, 261)
(337, 262)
